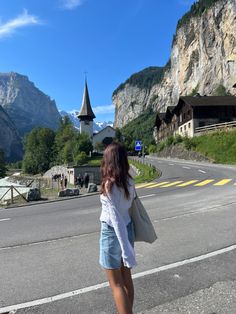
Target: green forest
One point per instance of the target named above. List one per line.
(45, 148)
(140, 128)
(197, 9)
(145, 78)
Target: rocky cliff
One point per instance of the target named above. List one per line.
(26, 105)
(203, 58)
(10, 141)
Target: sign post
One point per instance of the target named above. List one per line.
(138, 146)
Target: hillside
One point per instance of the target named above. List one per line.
(218, 147)
(10, 141)
(26, 105)
(203, 57)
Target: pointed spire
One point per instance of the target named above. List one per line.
(86, 111)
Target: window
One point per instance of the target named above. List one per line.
(181, 129)
(185, 127)
(189, 125)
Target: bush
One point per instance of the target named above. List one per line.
(152, 149)
(81, 159)
(177, 139)
(189, 143)
(161, 146)
(220, 91)
(169, 141)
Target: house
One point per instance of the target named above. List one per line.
(191, 114)
(104, 136)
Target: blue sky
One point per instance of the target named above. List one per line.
(54, 42)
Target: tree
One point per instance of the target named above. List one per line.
(65, 141)
(107, 141)
(3, 168)
(84, 143)
(39, 153)
(69, 143)
(81, 159)
(99, 147)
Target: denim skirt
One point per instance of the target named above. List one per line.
(110, 250)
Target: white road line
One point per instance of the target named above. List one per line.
(202, 171)
(5, 219)
(105, 284)
(186, 167)
(171, 164)
(149, 195)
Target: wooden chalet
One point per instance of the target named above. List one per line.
(193, 113)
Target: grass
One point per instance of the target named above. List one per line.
(94, 161)
(219, 146)
(147, 172)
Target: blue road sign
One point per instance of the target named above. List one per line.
(138, 145)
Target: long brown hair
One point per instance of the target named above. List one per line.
(115, 169)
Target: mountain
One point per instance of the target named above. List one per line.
(203, 60)
(26, 105)
(97, 126)
(10, 141)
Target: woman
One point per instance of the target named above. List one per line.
(117, 255)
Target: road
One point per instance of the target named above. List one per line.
(51, 250)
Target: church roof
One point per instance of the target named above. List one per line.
(86, 109)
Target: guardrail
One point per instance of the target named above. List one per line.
(216, 126)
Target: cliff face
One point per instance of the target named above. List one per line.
(203, 57)
(10, 141)
(26, 105)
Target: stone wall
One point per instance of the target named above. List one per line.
(178, 151)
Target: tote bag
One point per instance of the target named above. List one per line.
(143, 228)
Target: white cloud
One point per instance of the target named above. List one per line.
(104, 109)
(71, 4)
(22, 20)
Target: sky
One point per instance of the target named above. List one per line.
(55, 42)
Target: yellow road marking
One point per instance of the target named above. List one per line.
(188, 183)
(144, 185)
(157, 184)
(171, 184)
(205, 182)
(222, 182)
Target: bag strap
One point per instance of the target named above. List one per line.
(135, 194)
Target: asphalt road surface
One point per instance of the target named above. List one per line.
(49, 252)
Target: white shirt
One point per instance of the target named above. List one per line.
(115, 212)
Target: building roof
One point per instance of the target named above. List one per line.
(103, 130)
(204, 101)
(170, 108)
(209, 100)
(159, 118)
(86, 109)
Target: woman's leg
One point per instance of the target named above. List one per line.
(128, 283)
(116, 282)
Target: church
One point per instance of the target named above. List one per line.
(86, 117)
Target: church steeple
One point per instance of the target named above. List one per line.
(86, 112)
